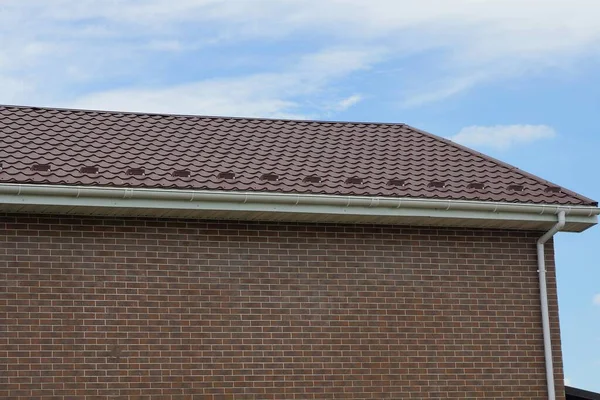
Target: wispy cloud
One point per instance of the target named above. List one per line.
(442, 90)
(14, 90)
(568, 381)
(596, 299)
(67, 47)
(277, 94)
(502, 137)
(348, 102)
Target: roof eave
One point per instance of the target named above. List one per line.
(173, 203)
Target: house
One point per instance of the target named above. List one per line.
(172, 257)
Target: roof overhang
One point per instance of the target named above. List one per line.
(171, 203)
(579, 394)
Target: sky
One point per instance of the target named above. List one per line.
(515, 79)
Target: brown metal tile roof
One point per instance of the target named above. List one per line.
(77, 147)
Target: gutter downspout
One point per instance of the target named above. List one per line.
(544, 301)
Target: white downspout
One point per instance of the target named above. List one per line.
(544, 300)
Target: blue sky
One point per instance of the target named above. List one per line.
(516, 79)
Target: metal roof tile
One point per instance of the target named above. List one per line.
(115, 142)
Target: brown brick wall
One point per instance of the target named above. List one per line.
(138, 308)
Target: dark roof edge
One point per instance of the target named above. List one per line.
(590, 202)
(582, 394)
(200, 116)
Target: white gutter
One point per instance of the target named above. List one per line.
(73, 199)
(118, 193)
(544, 302)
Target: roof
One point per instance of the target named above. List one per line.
(579, 394)
(121, 149)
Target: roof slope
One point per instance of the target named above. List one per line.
(51, 146)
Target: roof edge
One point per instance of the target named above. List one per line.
(581, 394)
(166, 114)
(63, 199)
(507, 165)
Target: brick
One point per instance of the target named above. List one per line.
(179, 309)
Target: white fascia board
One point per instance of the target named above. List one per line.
(283, 206)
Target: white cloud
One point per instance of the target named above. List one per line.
(241, 97)
(474, 41)
(442, 90)
(567, 381)
(596, 299)
(14, 90)
(348, 102)
(540, 25)
(501, 137)
(277, 95)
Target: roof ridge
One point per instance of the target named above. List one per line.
(500, 162)
(88, 110)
